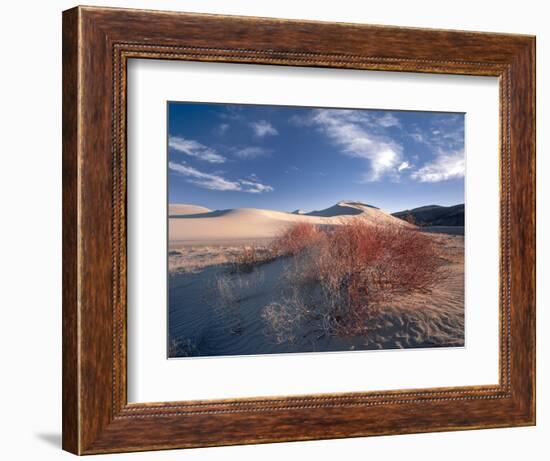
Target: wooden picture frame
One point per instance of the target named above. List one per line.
(97, 43)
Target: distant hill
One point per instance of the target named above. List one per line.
(435, 215)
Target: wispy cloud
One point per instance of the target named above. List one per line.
(371, 135)
(445, 140)
(446, 133)
(222, 128)
(446, 165)
(231, 112)
(253, 187)
(195, 149)
(388, 120)
(263, 128)
(216, 181)
(355, 133)
(252, 152)
(404, 166)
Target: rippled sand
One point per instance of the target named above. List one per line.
(199, 325)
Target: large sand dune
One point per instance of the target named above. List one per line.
(191, 223)
(179, 209)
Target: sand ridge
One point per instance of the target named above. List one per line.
(180, 209)
(191, 223)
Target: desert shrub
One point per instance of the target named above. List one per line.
(284, 318)
(247, 258)
(296, 238)
(363, 266)
(395, 259)
(280, 319)
(289, 243)
(231, 289)
(357, 267)
(252, 256)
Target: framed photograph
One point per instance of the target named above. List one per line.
(281, 230)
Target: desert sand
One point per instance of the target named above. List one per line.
(180, 209)
(434, 318)
(214, 310)
(194, 224)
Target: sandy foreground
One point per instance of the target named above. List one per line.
(208, 241)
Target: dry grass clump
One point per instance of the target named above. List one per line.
(251, 257)
(248, 258)
(229, 292)
(282, 318)
(357, 268)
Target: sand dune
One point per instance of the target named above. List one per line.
(177, 209)
(191, 223)
(344, 208)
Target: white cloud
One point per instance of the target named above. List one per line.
(365, 134)
(218, 182)
(388, 120)
(195, 149)
(206, 180)
(352, 132)
(446, 165)
(254, 187)
(263, 128)
(404, 166)
(252, 152)
(445, 141)
(447, 132)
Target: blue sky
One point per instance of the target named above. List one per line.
(285, 158)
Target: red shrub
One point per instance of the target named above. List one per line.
(297, 238)
(362, 266)
(392, 258)
(359, 267)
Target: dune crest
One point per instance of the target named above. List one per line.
(343, 208)
(191, 223)
(177, 209)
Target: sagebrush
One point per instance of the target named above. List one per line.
(347, 273)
